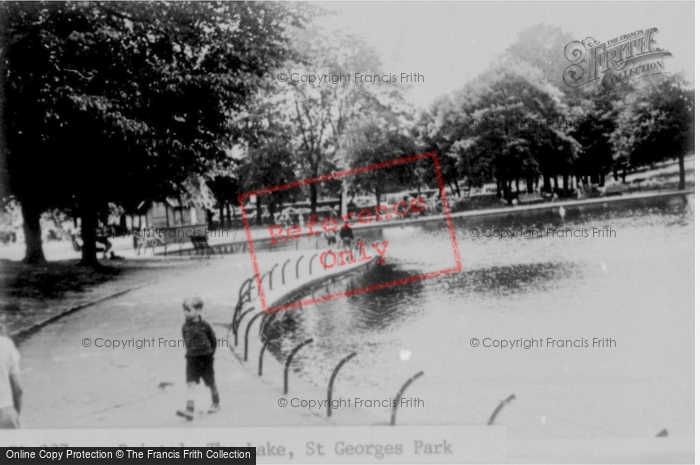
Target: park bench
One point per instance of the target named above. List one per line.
(152, 240)
(616, 189)
(201, 246)
(526, 199)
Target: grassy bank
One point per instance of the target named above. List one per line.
(30, 295)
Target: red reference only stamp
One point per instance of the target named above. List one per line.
(358, 251)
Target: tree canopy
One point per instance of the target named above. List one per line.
(656, 123)
(121, 103)
(118, 102)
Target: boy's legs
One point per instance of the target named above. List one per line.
(192, 376)
(210, 381)
(188, 413)
(200, 367)
(214, 399)
(191, 386)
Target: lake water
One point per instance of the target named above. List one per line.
(636, 288)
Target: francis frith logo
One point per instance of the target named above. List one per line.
(615, 62)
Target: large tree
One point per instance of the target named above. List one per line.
(225, 185)
(375, 141)
(658, 122)
(120, 102)
(506, 125)
(436, 129)
(595, 111)
(269, 164)
(320, 112)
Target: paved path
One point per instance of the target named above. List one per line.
(69, 385)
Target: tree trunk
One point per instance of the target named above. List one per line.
(228, 215)
(378, 198)
(313, 194)
(6, 36)
(528, 182)
(601, 181)
(88, 227)
(272, 208)
(31, 215)
(681, 172)
(258, 210)
(343, 203)
(221, 215)
(505, 189)
(546, 186)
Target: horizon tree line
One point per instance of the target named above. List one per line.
(125, 103)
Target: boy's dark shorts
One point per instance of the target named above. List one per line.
(200, 366)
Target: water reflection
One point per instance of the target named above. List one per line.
(504, 280)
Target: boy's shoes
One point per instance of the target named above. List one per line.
(186, 414)
(214, 408)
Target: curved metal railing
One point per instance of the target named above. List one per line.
(289, 362)
(297, 267)
(311, 262)
(283, 267)
(237, 324)
(332, 380)
(272, 271)
(247, 330)
(397, 400)
(499, 408)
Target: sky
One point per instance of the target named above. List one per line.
(450, 43)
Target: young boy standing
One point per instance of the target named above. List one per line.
(200, 342)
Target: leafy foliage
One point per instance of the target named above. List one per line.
(504, 125)
(125, 101)
(320, 114)
(374, 141)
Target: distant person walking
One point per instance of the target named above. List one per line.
(346, 235)
(330, 237)
(200, 342)
(10, 389)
